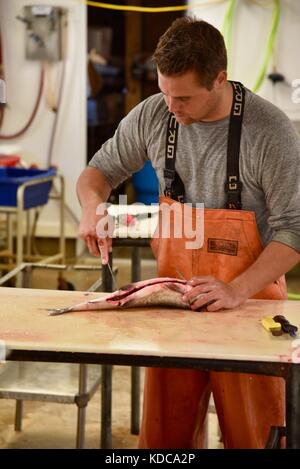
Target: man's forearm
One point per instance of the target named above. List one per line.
(275, 260)
(92, 188)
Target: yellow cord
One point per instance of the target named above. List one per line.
(140, 9)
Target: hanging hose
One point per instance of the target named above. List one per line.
(34, 112)
(51, 144)
(227, 33)
(1, 115)
(53, 134)
(270, 45)
(58, 105)
(1, 76)
(294, 296)
(56, 108)
(227, 30)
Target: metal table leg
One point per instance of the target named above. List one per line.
(106, 435)
(135, 400)
(19, 415)
(293, 407)
(106, 402)
(81, 414)
(19, 253)
(135, 264)
(26, 280)
(28, 233)
(106, 376)
(135, 371)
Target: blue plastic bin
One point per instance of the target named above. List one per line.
(145, 183)
(12, 178)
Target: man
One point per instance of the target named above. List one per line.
(240, 156)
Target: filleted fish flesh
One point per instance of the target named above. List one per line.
(161, 291)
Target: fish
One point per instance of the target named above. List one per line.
(160, 291)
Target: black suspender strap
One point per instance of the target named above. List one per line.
(174, 187)
(233, 185)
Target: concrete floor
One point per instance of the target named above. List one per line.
(52, 425)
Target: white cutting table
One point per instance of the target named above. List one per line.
(233, 340)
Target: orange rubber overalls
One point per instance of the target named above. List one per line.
(176, 400)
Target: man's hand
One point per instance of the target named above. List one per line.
(96, 231)
(93, 190)
(217, 295)
(274, 261)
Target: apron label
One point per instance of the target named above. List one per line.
(222, 246)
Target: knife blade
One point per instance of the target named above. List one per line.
(113, 276)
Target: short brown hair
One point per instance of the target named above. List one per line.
(190, 44)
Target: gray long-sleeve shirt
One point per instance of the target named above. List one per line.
(269, 161)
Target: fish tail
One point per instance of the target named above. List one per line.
(58, 311)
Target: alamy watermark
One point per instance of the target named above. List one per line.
(296, 352)
(180, 221)
(296, 93)
(2, 351)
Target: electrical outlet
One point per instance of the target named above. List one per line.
(44, 32)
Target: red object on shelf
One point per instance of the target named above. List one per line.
(9, 160)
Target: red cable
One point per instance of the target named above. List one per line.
(1, 115)
(23, 130)
(1, 76)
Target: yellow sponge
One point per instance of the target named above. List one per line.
(271, 326)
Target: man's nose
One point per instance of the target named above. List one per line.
(172, 105)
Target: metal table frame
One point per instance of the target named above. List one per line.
(19, 211)
(135, 243)
(289, 371)
(85, 392)
(86, 388)
(106, 389)
(104, 284)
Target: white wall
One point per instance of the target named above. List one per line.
(250, 31)
(22, 79)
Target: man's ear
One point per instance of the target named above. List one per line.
(221, 80)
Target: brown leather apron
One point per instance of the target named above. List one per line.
(176, 400)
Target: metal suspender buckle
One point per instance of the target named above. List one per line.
(233, 185)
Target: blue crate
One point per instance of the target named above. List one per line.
(12, 178)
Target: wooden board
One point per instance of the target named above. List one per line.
(235, 335)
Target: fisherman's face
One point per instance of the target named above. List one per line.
(187, 99)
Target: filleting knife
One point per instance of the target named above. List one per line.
(112, 276)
